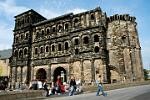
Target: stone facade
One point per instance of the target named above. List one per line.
(84, 45)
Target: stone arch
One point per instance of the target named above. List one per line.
(41, 74)
(66, 26)
(66, 46)
(96, 38)
(36, 50)
(76, 22)
(46, 48)
(47, 30)
(60, 28)
(60, 71)
(86, 39)
(59, 46)
(76, 41)
(20, 53)
(92, 16)
(25, 51)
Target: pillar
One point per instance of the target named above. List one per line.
(92, 70)
(82, 72)
(49, 73)
(104, 70)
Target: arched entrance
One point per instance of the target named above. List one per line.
(62, 72)
(41, 74)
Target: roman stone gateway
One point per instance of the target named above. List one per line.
(84, 45)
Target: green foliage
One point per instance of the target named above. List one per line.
(145, 74)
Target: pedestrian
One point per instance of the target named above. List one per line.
(58, 85)
(46, 88)
(100, 86)
(72, 86)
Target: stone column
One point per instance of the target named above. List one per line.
(49, 73)
(133, 62)
(82, 72)
(139, 65)
(10, 78)
(16, 73)
(32, 73)
(21, 74)
(92, 71)
(104, 70)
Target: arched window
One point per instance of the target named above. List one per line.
(20, 53)
(76, 22)
(25, 51)
(66, 27)
(42, 32)
(96, 49)
(54, 29)
(59, 28)
(66, 46)
(59, 47)
(76, 41)
(92, 17)
(47, 31)
(37, 34)
(36, 50)
(85, 40)
(47, 49)
(76, 51)
(53, 48)
(41, 50)
(96, 38)
(26, 35)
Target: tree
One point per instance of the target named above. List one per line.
(145, 74)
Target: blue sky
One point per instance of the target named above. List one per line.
(52, 8)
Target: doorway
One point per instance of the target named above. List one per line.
(41, 74)
(60, 71)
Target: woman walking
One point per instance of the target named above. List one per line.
(72, 86)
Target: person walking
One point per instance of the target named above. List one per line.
(45, 86)
(72, 86)
(100, 86)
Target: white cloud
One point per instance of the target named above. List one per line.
(76, 10)
(47, 13)
(9, 7)
(6, 36)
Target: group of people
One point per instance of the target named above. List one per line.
(58, 87)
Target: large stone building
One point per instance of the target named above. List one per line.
(84, 45)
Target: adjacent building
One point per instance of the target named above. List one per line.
(84, 45)
(4, 63)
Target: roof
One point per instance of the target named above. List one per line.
(31, 10)
(5, 54)
(53, 19)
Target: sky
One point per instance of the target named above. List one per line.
(53, 8)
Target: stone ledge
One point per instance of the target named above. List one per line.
(13, 95)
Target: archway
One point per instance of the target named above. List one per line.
(60, 71)
(41, 74)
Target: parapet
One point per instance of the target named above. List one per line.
(124, 17)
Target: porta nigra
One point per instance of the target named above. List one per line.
(83, 45)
